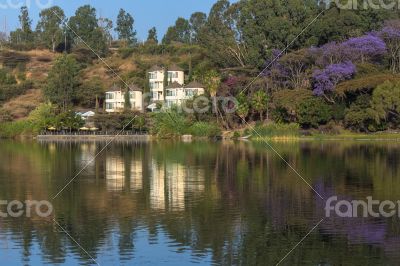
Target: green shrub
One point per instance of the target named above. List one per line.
(360, 116)
(17, 128)
(314, 112)
(236, 135)
(126, 52)
(9, 91)
(169, 124)
(276, 130)
(203, 129)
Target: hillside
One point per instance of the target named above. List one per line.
(34, 66)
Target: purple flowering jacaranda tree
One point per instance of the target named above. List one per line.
(391, 36)
(324, 81)
(369, 47)
(364, 48)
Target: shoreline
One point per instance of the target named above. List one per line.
(93, 137)
(345, 137)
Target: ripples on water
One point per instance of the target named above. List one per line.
(198, 203)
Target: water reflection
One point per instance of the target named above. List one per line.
(183, 203)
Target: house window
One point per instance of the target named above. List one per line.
(191, 93)
(109, 106)
(173, 75)
(153, 75)
(171, 92)
(109, 96)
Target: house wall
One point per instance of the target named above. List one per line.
(115, 101)
(156, 81)
(181, 94)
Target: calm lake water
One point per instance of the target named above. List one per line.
(174, 203)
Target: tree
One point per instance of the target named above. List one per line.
(84, 25)
(364, 48)
(259, 102)
(23, 35)
(152, 36)
(360, 116)
(26, 25)
(391, 36)
(386, 101)
(290, 71)
(178, 33)
(62, 81)
(197, 22)
(90, 92)
(219, 39)
(313, 112)
(69, 120)
(43, 116)
(3, 39)
(49, 27)
(212, 80)
(358, 49)
(127, 100)
(325, 81)
(106, 25)
(125, 27)
(243, 108)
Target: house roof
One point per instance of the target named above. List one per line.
(194, 85)
(156, 68)
(174, 85)
(174, 67)
(114, 88)
(134, 87)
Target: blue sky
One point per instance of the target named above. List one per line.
(147, 13)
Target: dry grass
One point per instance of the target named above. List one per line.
(40, 64)
(21, 106)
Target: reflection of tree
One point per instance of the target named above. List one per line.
(237, 200)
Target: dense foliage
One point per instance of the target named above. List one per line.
(316, 65)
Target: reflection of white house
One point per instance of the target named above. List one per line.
(115, 174)
(170, 183)
(174, 92)
(176, 175)
(157, 187)
(115, 99)
(136, 175)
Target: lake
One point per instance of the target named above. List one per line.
(203, 203)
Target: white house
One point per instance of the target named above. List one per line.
(193, 89)
(175, 91)
(115, 99)
(157, 78)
